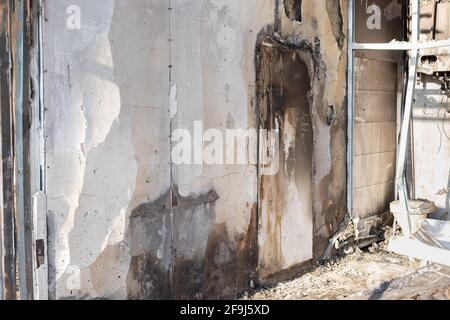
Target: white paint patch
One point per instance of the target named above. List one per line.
(297, 226)
(288, 139)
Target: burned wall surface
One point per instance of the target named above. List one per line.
(213, 45)
(285, 205)
(107, 146)
(322, 36)
(124, 220)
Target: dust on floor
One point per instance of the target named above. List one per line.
(362, 275)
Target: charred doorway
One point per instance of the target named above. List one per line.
(285, 196)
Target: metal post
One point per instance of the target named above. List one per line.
(1, 226)
(26, 18)
(350, 107)
(403, 144)
(19, 150)
(8, 240)
(37, 158)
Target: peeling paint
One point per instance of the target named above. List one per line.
(137, 226)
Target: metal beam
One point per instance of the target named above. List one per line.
(29, 95)
(37, 158)
(350, 107)
(19, 151)
(1, 226)
(8, 220)
(401, 46)
(409, 99)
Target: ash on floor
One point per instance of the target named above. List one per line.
(363, 275)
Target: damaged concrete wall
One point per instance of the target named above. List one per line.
(321, 36)
(301, 71)
(107, 145)
(124, 221)
(286, 229)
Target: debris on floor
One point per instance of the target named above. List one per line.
(363, 275)
(360, 233)
(431, 282)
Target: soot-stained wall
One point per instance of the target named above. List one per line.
(286, 198)
(125, 221)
